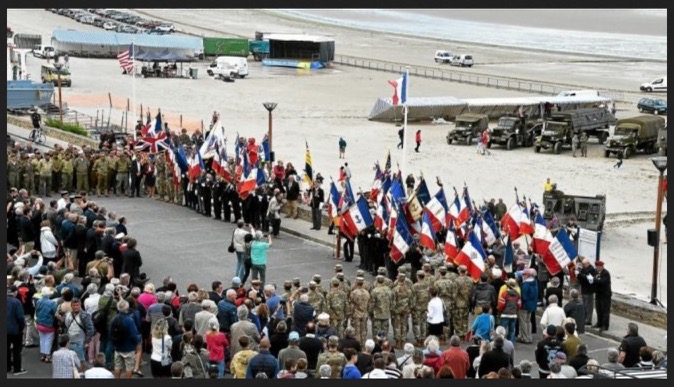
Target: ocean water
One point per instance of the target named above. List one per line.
(440, 25)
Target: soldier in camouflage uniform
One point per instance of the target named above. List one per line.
(122, 167)
(93, 173)
(429, 278)
(160, 166)
(444, 286)
(462, 288)
(184, 138)
(451, 272)
(339, 269)
(287, 292)
(336, 302)
(402, 306)
(56, 167)
(46, 166)
(419, 307)
(13, 172)
(317, 278)
(403, 270)
(67, 172)
(112, 172)
(81, 166)
(359, 301)
(28, 169)
(387, 281)
(170, 184)
(381, 301)
(344, 284)
(316, 298)
(101, 166)
(332, 357)
(366, 284)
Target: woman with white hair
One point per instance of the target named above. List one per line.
(160, 360)
(258, 255)
(91, 306)
(48, 243)
(45, 316)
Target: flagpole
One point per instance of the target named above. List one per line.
(133, 87)
(407, 77)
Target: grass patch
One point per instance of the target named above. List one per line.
(67, 127)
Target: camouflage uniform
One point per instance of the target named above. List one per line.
(160, 166)
(381, 301)
(13, 173)
(387, 281)
(408, 281)
(46, 167)
(366, 284)
(81, 166)
(122, 167)
(184, 139)
(444, 286)
(335, 359)
(316, 299)
(112, 172)
(430, 280)
(287, 287)
(67, 173)
(319, 287)
(170, 186)
(344, 284)
(359, 300)
(336, 307)
(93, 173)
(56, 168)
(400, 313)
(422, 295)
(462, 288)
(101, 167)
(28, 176)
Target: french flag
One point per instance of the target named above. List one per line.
(196, 166)
(472, 256)
(399, 90)
(265, 148)
(451, 245)
(542, 236)
(465, 209)
(393, 220)
(357, 217)
(427, 238)
(437, 209)
(381, 216)
(526, 228)
(333, 202)
(248, 184)
(402, 240)
(489, 229)
(423, 194)
(560, 253)
(454, 209)
(510, 223)
(376, 183)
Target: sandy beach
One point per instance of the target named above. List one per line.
(321, 106)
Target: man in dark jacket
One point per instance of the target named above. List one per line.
(630, 346)
(603, 295)
(483, 294)
(15, 326)
(227, 311)
(312, 346)
(132, 260)
(264, 362)
(546, 350)
(574, 309)
(585, 277)
(302, 314)
(316, 199)
(124, 337)
(26, 229)
(495, 359)
(292, 196)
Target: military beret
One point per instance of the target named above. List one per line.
(334, 282)
(421, 273)
(380, 279)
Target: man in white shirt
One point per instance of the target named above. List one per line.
(63, 202)
(553, 315)
(378, 370)
(98, 371)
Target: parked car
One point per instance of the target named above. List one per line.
(658, 84)
(652, 105)
(109, 26)
(462, 60)
(166, 28)
(98, 22)
(129, 29)
(442, 56)
(43, 51)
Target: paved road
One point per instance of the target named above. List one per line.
(176, 241)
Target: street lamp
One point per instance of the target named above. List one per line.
(58, 67)
(661, 164)
(270, 106)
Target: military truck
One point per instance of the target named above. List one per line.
(507, 132)
(589, 211)
(466, 127)
(561, 126)
(662, 142)
(634, 134)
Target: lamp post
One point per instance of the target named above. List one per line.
(270, 106)
(661, 164)
(58, 67)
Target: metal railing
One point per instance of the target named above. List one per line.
(473, 79)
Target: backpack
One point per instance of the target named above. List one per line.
(100, 317)
(116, 330)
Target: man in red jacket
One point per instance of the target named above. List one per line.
(456, 358)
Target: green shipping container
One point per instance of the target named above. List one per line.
(226, 47)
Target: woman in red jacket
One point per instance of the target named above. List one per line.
(217, 344)
(417, 138)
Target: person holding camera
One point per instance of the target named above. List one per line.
(274, 212)
(258, 255)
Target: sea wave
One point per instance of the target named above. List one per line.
(548, 39)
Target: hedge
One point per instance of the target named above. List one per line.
(67, 127)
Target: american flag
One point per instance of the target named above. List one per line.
(126, 60)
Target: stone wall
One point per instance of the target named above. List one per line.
(58, 134)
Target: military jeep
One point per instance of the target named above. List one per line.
(466, 127)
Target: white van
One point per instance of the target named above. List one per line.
(229, 66)
(462, 60)
(658, 84)
(43, 51)
(579, 93)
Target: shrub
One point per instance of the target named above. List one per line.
(67, 127)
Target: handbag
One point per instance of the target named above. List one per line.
(76, 372)
(231, 248)
(165, 355)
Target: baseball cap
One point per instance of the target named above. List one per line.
(293, 336)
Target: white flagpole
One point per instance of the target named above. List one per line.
(405, 134)
(133, 88)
